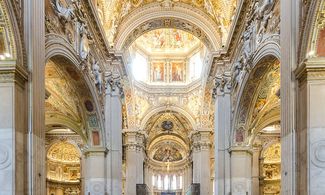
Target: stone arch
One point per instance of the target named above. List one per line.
(177, 109)
(58, 49)
(249, 89)
(311, 30)
(182, 16)
(12, 33)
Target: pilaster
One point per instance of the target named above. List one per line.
(95, 177)
(201, 160)
(13, 125)
(289, 25)
(311, 126)
(113, 128)
(134, 151)
(241, 170)
(222, 134)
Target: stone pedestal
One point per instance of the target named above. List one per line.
(201, 160)
(311, 127)
(221, 139)
(95, 171)
(241, 171)
(134, 151)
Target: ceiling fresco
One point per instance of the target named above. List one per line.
(180, 127)
(167, 41)
(113, 12)
(63, 98)
(167, 153)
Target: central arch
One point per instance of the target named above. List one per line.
(154, 16)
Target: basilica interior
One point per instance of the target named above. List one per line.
(162, 97)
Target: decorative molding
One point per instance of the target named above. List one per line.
(317, 155)
(5, 156)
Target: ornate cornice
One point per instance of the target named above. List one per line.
(10, 73)
(310, 69)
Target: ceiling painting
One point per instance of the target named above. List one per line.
(112, 13)
(167, 40)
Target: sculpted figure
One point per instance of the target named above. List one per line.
(84, 41)
(98, 76)
(66, 14)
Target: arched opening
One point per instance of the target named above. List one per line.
(63, 168)
(72, 123)
(168, 168)
(258, 125)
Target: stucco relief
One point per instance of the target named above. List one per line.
(5, 156)
(318, 154)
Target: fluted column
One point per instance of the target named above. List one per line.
(222, 122)
(290, 14)
(113, 128)
(95, 171)
(201, 160)
(311, 127)
(134, 151)
(241, 170)
(34, 41)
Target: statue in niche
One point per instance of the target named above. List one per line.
(98, 76)
(237, 73)
(65, 13)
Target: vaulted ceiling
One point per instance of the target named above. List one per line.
(113, 12)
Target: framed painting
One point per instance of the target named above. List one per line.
(158, 71)
(177, 71)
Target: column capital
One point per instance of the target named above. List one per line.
(222, 85)
(113, 84)
(201, 140)
(311, 69)
(134, 140)
(11, 73)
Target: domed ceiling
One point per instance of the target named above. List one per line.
(113, 12)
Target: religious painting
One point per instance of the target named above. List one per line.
(158, 71)
(178, 70)
(321, 43)
(96, 140)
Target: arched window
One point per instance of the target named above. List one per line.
(174, 184)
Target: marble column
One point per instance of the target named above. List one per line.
(95, 171)
(241, 170)
(134, 151)
(222, 140)
(311, 126)
(289, 17)
(113, 128)
(201, 160)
